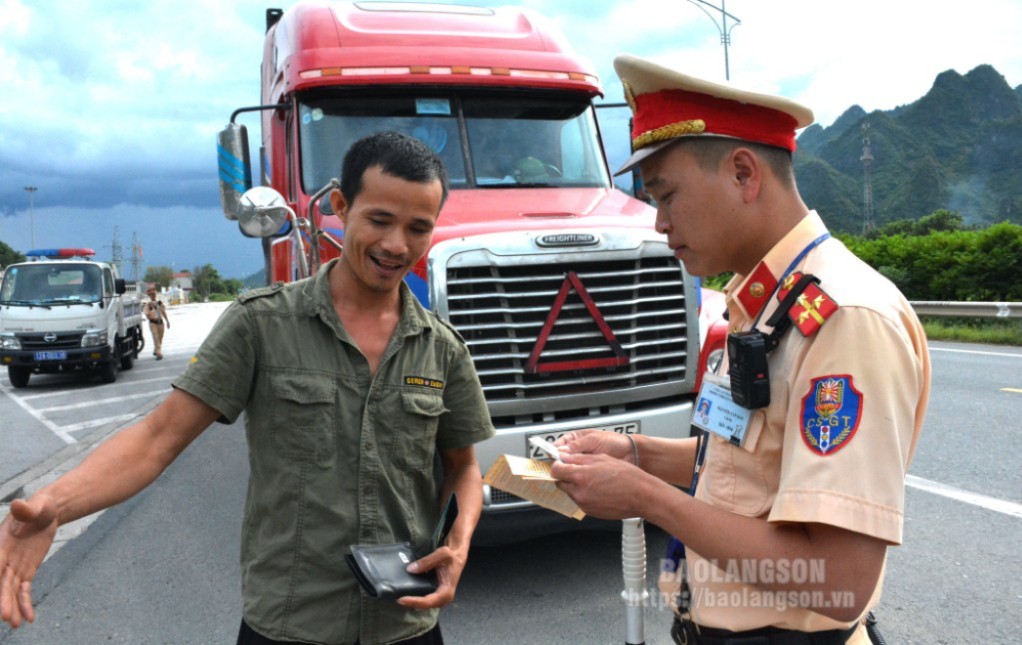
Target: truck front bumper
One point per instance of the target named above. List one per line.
(57, 360)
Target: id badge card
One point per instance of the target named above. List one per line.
(717, 412)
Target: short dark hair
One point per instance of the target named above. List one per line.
(399, 155)
(709, 151)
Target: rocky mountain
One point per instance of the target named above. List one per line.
(959, 147)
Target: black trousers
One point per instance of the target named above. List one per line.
(249, 636)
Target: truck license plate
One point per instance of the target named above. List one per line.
(625, 427)
(50, 356)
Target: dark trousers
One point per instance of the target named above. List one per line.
(248, 636)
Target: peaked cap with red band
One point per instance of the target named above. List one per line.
(667, 105)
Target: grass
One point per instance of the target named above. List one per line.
(989, 331)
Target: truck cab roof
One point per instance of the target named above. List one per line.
(315, 43)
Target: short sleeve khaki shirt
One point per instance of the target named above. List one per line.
(834, 445)
(336, 457)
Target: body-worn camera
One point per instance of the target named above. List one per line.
(749, 371)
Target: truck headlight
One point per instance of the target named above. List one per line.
(9, 342)
(94, 338)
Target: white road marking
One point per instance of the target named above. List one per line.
(973, 351)
(94, 402)
(49, 425)
(975, 499)
(94, 423)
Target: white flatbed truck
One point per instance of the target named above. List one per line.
(61, 311)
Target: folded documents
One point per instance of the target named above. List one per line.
(531, 479)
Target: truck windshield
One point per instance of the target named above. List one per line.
(486, 139)
(51, 284)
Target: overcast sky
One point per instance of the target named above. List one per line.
(111, 108)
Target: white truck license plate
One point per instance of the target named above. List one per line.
(625, 427)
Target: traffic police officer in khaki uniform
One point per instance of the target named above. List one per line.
(814, 415)
(351, 391)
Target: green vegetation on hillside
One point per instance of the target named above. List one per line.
(958, 148)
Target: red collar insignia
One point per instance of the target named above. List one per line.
(533, 366)
(756, 290)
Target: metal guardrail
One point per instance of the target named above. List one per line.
(968, 309)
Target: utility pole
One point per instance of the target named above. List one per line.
(868, 220)
(31, 210)
(722, 27)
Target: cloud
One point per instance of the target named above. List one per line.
(115, 104)
(125, 97)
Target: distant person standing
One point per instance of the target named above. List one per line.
(156, 314)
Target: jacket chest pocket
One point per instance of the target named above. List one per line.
(304, 415)
(735, 476)
(413, 440)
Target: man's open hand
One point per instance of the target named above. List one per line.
(26, 535)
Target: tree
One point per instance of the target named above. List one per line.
(161, 276)
(233, 286)
(9, 255)
(206, 281)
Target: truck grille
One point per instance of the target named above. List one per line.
(63, 341)
(501, 312)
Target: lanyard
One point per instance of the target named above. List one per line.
(791, 267)
(701, 442)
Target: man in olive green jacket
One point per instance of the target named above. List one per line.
(351, 390)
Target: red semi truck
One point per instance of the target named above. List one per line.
(576, 312)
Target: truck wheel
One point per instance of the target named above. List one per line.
(127, 361)
(108, 371)
(18, 375)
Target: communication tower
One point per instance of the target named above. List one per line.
(868, 220)
(136, 258)
(116, 252)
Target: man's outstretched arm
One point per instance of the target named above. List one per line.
(116, 470)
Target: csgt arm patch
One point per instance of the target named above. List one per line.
(831, 412)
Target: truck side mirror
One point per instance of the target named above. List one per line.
(262, 211)
(120, 286)
(235, 168)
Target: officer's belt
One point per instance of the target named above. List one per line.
(688, 633)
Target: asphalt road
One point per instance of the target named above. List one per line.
(162, 568)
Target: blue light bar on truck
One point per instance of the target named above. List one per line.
(57, 254)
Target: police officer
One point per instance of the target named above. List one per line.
(156, 313)
(817, 408)
(351, 390)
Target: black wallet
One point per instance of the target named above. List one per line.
(381, 568)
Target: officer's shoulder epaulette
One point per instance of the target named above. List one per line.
(261, 292)
(811, 308)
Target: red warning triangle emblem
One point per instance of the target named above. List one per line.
(533, 366)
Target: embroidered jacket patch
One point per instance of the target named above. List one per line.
(831, 412)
